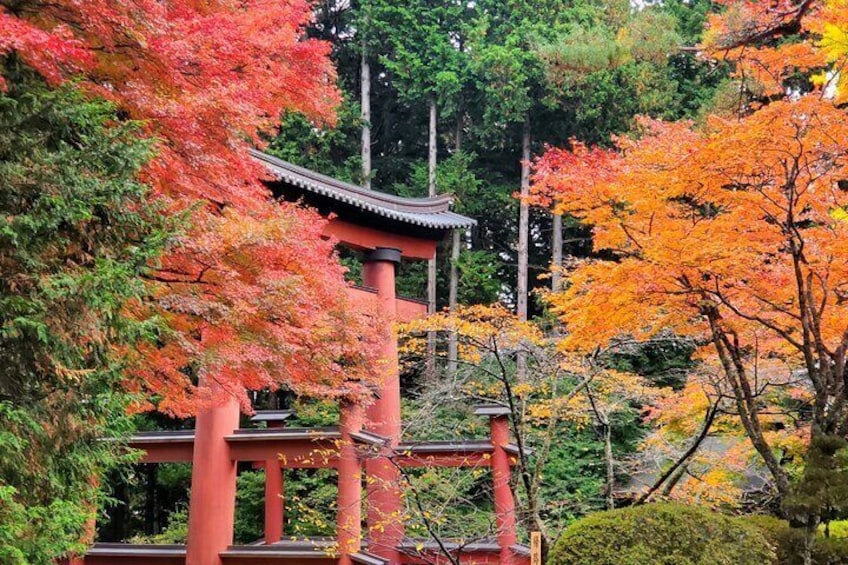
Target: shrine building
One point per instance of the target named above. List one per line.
(366, 447)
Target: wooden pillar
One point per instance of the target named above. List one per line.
(349, 518)
(213, 485)
(501, 474)
(274, 508)
(385, 503)
(274, 493)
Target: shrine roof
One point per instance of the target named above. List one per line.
(272, 415)
(492, 410)
(431, 212)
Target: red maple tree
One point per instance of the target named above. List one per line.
(252, 295)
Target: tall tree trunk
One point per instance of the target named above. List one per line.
(457, 134)
(556, 245)
(432, 150)
(453, 297)
(365, 103)
(523, 237)
(610, 460)
(453, 344)
(523, 222)
(747, 405)
(431, 264)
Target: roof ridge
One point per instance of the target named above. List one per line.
(440, 199)
(431, 211)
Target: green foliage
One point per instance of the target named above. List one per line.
(478, 277)
(508, 69)
(457, 503)
(145, 501)
(250, 507)
(316, 413)
(311, 502)
(574, 477)
(324, 149)
(175, 531)
(581, 52)
(666, 360)
(822, 490)
(789, 541)
(454, 175)
(352, 261)
(431, 421)
(421, 48)
(26, 535)
(76, 233)
(605, 74)
(836, 529)
(574, 474)
(661, 534)
(691, 17)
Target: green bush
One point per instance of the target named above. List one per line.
(788, 542)
(838, 529)
(176, 531)
(661, 534)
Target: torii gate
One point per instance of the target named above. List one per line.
(388, 228)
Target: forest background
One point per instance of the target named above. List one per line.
(432, 97)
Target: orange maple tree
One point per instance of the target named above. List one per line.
(732, 232)
(252, 296)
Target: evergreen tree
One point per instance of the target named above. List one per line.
(76, 234)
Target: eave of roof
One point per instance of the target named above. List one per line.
(492, 410)
(272, 415)
(431, 212)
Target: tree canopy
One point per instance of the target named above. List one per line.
(77, 234)
(730, 231)
(203, 80)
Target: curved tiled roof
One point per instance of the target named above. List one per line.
(432, 212)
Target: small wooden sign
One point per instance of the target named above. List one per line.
(535, 548)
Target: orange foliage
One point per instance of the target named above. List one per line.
(697, 217)
(753, 34)
(725, 461)
(253, 297)
(259, 323)
(733, 233)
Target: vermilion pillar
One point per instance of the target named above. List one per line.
(273, 501)
(501, 474)
(213, 486)
(385, 504)
(274, 492)
(349, 518)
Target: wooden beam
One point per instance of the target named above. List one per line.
(361, 237)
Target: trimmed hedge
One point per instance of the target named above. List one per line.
(662, 534)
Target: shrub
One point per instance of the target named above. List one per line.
(838, 529)
(788, 542)
(661, 534)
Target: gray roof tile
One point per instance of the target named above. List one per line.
(431, 212)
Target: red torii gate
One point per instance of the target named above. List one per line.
(388, 228)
